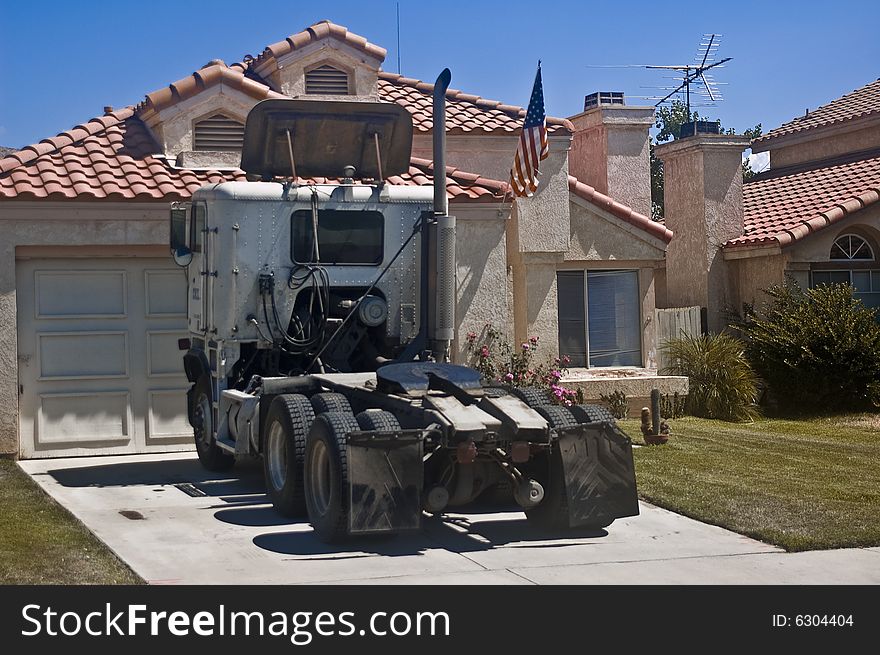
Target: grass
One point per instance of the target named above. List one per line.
(41, 543)
(800, 484)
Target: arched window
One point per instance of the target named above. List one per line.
(851, 247)
(218, 132)
(327, 80)
(850, 263)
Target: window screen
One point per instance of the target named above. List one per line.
(344, 237)
(600, 325)
(572, 316)
(614, 323)
(866, 283)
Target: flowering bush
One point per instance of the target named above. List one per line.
(500, 363)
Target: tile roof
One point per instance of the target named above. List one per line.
(858, 104)
(204, 78)
(113, 157)
(313, 33)
(783, 206)
(464, 112)
(588, 193)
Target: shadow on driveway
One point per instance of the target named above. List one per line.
(242, 501)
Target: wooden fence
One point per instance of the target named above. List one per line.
(674, 323)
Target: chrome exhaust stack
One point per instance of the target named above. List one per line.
(442, 258)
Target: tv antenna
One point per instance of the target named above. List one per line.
(706, 88)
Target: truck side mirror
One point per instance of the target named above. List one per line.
(180, 250)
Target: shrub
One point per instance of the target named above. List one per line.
(723, 384)
(673, 406)
(617, 403)
(499, 363)
(817, 349)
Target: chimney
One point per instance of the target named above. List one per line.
(702, 195)
(609, 149)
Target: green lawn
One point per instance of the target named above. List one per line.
(41, 543)
(800, 484)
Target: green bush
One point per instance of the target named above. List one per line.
(722, 383)
(817, 349)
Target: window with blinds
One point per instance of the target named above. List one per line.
(218, 132)
(599, 317)
(326, 80)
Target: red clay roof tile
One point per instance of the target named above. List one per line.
(858, 104)
(783, 206)
(119, 161)
(588, 193)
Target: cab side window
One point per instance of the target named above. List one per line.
(197, 232)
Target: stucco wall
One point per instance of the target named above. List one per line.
(754, 274)
(703, 208)
(115, 226)
(173, 126)
(831, 144)
(289, 77)
(491, 156)
(481, 269)
(610, 152)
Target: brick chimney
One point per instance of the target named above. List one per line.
(609, 149)
(702, 180)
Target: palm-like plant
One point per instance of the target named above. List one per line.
(723, 384)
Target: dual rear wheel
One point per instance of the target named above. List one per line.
(305, 457)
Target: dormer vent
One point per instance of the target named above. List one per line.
(326, 80)
(218, 132)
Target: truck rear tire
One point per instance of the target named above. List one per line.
(326, 475)
(287, 423)
(592, 414)
(210, 454)
(532, 396)
(330, 402)
(377, 420)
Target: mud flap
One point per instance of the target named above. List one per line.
(600, 480)
(385, 474)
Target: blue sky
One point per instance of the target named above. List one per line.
(64, 61)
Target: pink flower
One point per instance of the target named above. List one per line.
(555, 374)
(534, 340)
(471, 337)
(484, 352)
(509, 377)
(566, 359)
(525, 347)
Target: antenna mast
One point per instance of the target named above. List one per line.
(687, 74)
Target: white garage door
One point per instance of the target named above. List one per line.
(99, 367)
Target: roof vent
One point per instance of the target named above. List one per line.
(326, 80)
(218, 132)
(692, 128)
(603, 98)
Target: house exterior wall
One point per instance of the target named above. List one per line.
(118, 230)
(823, 143)
(703, 207)
(753, 274)
(287, 73)
(596, 242)
(610, 152)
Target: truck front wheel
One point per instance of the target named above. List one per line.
(287, 423)
(210, 454)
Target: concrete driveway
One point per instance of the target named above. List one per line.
(174, 523)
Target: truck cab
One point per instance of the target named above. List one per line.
(321, 307)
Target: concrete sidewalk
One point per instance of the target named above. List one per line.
(175, 523)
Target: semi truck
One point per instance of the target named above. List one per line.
(321, 318)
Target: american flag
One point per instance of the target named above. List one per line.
(532, 146)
